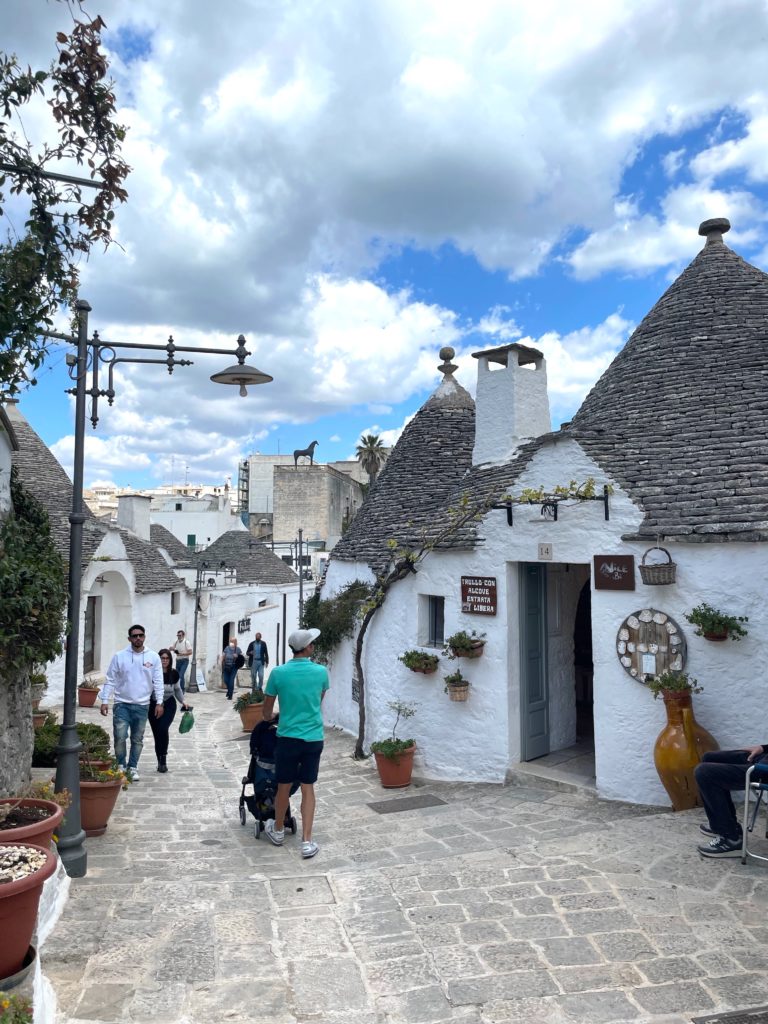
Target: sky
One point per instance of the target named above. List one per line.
(352, 186)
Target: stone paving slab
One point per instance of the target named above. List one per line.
(506, 904)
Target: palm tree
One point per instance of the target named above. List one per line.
(371, 453)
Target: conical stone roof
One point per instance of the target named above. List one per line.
(410, 498)
(679, 419)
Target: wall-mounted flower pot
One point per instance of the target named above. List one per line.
(717, 637)
(86, 698)
(395, 772)
(34, 821)
(425, 671)
(19, 900)
(473, 652)
(458, 693)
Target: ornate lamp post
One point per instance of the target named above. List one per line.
(91, 354)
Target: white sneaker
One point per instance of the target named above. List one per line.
(309, 848)
(273, 834)
(133, 774)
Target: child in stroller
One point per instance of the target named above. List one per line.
(259, 786)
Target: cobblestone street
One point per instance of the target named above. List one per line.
(502, 904)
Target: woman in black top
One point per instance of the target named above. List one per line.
(172, 692)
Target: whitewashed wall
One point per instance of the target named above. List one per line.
(627, 719)
(207, 525)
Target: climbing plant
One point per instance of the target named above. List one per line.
(33, 584)
(335, 616)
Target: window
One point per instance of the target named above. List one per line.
(431, 620)
(175, 602)
(89, 636)
(178, 506)
(191, 540)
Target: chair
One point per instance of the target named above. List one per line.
(757, 786)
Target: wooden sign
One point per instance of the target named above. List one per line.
(614, 572)
(478, 595)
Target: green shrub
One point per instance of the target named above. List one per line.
(335, 617)
(93, 737)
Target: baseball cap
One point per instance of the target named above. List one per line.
(301, 638)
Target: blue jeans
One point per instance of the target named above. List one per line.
(125, 717)
(228, 675)
(257, 675)
(182, 664)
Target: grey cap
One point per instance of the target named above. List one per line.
(302, 638)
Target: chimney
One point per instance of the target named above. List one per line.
(511, 404)
(133, 513)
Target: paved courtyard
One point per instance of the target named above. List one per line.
(499, 905)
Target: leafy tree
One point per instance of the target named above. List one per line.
(371, 454)
(64, 219)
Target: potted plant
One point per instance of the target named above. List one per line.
(99, 789)
(42, 718)
(94, 740)
(29, 819)
(456, 686)
(39, 684)
(15, 1009)
(24, 867)
(87, 692)
(682, 742)
(419, 661)
(394, 757)
(250, 707)
(713, 624)
(464, 645)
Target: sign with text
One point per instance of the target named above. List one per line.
(478, 594)
(614, 572)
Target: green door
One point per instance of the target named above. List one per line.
(534, 691)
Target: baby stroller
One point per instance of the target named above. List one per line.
(259, 785)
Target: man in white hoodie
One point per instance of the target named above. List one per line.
(133, 675)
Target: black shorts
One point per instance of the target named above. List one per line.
(297, 760)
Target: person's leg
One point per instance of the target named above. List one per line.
(719, 773)
(120, 724)
(229, 679)
(281, 804)
(286, 766)
(138, 713)
(260, 673)
(254, 675)
(307, 811)
(181, 668)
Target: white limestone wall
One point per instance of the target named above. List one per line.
(206, 526)
(627, 719)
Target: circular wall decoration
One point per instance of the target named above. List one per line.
(648, 643)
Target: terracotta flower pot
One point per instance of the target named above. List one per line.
(97, 801)
(680, 746)
(251, 715)
(38, 832)
(395, 772)
(18, 911)
(474, 652)
(719, 635)
(425, 671)
(38, 718)
(459, 693)
(86, 698)
(27, 967)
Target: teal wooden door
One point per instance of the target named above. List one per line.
(534, 690)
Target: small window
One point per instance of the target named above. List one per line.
(175, 602)
(431, 620)
(178, 506)
(191, 540)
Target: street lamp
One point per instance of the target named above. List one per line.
(202, 570)
(91, 353)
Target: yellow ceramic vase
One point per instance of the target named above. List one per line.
(680, 746)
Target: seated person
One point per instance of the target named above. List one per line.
(719, 773)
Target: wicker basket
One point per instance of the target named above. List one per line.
(659, 574)
(458, 692)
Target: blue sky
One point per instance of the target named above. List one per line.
(354, 187)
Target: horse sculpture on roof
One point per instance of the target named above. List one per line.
(305, 453)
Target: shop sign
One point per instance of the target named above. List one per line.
(614, 572)
(478, 595)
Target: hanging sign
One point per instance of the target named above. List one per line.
(614, 572)
(478, 595)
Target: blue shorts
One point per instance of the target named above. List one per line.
(297, 760)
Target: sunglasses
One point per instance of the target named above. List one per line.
(135, 636)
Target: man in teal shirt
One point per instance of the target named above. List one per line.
(300, 686)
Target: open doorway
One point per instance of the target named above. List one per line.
(583, 667)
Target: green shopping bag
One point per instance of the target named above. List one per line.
(187, 721)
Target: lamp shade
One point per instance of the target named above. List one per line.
(241, 374)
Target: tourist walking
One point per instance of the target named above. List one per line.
(258, 659)
(133, 676)
(231, 659)
(300, 686)
(172, 692)
(183, 651)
